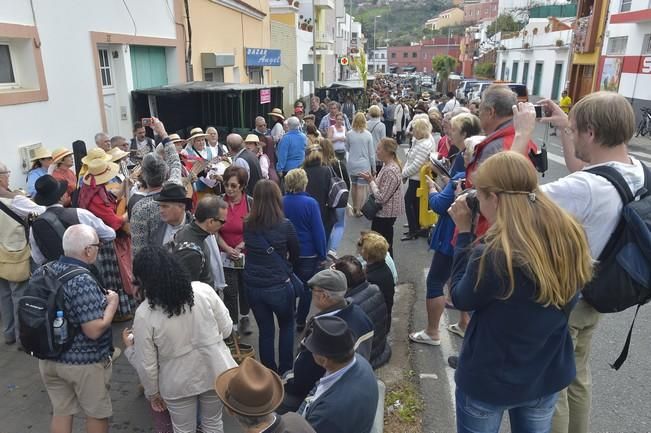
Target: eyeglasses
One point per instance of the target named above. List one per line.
(232, 185)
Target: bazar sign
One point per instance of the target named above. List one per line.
(262, 57)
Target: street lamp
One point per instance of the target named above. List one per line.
(374, 31)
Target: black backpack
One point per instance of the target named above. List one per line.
(623, 272)
(37, 311)
(48, 232)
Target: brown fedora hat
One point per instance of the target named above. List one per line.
(250, 389)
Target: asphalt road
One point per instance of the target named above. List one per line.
(621, 400)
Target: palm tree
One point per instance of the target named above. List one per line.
(444, 65)
(359, 61)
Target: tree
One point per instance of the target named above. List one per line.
(504, 23)
(359, 62)
(485, 70)
(443, 65)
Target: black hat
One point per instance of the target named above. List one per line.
(49, 190)
(330, 337)
(173, 193)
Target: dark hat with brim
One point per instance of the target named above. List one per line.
(330, 337)
(172, 193)
(49, 190)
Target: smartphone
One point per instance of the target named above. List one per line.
(539, 111)
(146, 121)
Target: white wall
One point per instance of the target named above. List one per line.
(303, 44)
(72, 110)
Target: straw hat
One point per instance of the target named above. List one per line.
(250, 389)
(175, 138)
(59, 154)
(95, 153)
(100, 170)
(277, 112)
(41, 153)
(117, 154)
(196, 133)
(252, 138)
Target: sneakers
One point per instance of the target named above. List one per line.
(453, 361)
(332, 255)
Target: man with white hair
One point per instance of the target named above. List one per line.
(77, 381)
(103, 141)
(291, 148)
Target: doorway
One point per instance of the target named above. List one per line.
(109, 90)
(556, 84)
(537, 78)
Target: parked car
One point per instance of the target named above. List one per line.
(478, 89)
(463, 89)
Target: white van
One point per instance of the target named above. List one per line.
(463, 88)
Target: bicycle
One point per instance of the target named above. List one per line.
(644, 127)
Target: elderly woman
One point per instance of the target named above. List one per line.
(255, 146)
(374, 252)
(272, 253)
(417, 156)
(144, 214)
(62, 163)
(303, 211)
(361, 159)
(198, 156)
(318, 185)
(231, 244)
(178, 344)
(40, 164)
(440, 201)
(387, 190)
(371, 301)
(217, 148)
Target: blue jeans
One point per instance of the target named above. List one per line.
(337, 233)
(307, 267)
(534, 416)
(265, 303)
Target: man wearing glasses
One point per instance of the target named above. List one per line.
(77, 381)
(189, 244)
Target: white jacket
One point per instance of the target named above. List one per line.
(180, 356)
(417, 156)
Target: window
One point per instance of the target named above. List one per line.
(414, 55)
(617, 46)
(625, 5)
(7, 76)
(393, 55)
(255, 75)
(405, 55)
(105, 67)
(646, 44)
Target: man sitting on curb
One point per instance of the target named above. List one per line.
(251, 393)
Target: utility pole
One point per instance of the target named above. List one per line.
(375, 31)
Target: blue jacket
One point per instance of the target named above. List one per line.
(263, 269)
(440, 202)
(291, 151)
(349, 405)
(514, 350)
(303, 211)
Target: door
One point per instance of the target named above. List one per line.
(556, 84)
(537, 78)
(514, 72)
(148, 66)
(587, 75)
(525, 73)
(109, 92)
(503, 71)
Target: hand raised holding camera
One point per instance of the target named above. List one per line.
(461, 214)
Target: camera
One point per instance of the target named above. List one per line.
(539, 111)
(472, 201)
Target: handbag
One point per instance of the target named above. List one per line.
(15, 265)
(296, 282)
(372, 207)
(239, 351)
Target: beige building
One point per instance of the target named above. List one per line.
(447, 18)
(222, 30)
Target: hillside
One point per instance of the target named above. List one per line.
(404, 18)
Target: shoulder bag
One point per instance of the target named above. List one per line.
(372, 207)
(296, 282)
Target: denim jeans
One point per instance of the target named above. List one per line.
(265, 303)
(474, 416)
(307, 267)
(337, 233)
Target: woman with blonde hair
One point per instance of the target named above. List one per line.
(386, 189)
(521, 283)
(361, 159)
(416, 157)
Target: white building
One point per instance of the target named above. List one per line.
(67, 69)
(537, 58)
(625, 64)
(377, 61)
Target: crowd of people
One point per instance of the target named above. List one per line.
(190, 237)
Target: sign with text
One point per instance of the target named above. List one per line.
(265, 96)
(262, 57)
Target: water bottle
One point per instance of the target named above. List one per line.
(60, 329)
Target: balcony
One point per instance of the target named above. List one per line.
(324, 4)
(325, 43)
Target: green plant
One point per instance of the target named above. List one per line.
(404, 402)
(504, 23)
(359, 62)
(444, 65)
(485, 70)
